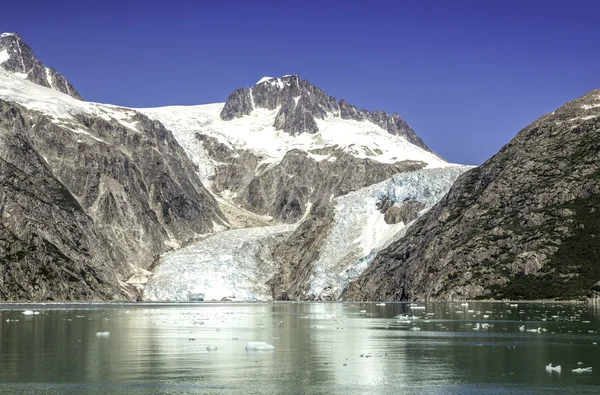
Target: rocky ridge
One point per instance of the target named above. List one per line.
(300, 104)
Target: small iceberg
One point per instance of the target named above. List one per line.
(259, 346)
(380, 304)
(550, 368)
(102, 334)
(211, 348)
(582, 370)
(30, 312)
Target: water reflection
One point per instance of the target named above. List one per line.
(338, 348)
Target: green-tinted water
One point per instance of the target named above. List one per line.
(320, 348)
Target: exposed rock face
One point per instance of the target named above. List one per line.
(50, 249)
(297, 254)
(407, 212)
(138, 185)
(524, 225)
(301, 103)
(18, 57)
(285, 190)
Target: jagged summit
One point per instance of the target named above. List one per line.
(18, 57)
(300, 104)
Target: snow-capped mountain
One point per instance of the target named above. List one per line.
(283, 145)
(313, 175)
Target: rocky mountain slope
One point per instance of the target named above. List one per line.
(131, 185)
(524, 225)
(50, 248)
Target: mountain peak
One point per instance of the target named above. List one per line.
(18, 58)
(301, 103)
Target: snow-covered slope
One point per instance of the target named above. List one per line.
(60, 107)
(256, 133)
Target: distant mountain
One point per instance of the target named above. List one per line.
(300, 104)
(284, 146)
(524, 225)
(18, 57)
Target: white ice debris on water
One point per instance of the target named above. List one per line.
(345, 257)
(228, 265)
(550, 368)
(102, 334)
(30, 312)
(582, 370)
(259, 346)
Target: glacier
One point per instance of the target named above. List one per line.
(231, 265)
(236, 264)
(343, 259)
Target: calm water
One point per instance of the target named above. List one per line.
(320, 348)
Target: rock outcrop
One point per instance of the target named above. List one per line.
(524, 225)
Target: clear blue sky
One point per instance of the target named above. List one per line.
(466, 75)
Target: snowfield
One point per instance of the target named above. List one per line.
(256, 133)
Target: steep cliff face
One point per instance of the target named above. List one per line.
(18, 57)
(50, 249)
(524, 225)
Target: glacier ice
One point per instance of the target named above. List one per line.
(344, 258)
(232, 264)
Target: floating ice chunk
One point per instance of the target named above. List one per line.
(30, 312)
(102, 334)
(380, 304)
(211, 348)
(550, 368)
(582, 370)
(464, 304)
(259, 346)
(522, 328)
(363, 311)
(417, 307)
(415, 328)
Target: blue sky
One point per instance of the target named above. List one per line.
(466, 75)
